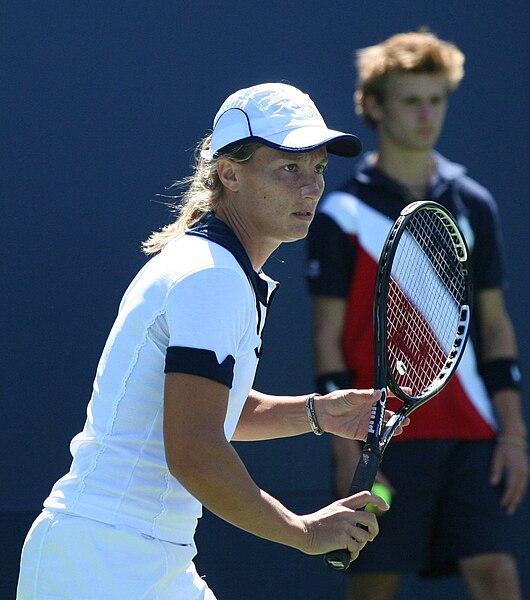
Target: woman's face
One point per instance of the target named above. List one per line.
(274, 195)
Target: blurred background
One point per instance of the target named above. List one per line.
(103, 102)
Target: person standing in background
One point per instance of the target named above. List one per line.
(463, 459)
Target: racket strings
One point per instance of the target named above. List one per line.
(427, 289)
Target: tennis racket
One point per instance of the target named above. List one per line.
(422, 311)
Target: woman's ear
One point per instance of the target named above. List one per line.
(228, 172)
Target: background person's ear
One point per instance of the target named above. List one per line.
(372, 107)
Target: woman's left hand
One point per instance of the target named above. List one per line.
(346, 413)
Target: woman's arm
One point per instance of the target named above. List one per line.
(200, 457)
(345, 413)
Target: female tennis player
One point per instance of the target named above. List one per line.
(174, 383)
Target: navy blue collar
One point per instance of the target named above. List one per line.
(368, 173)
(213, 229)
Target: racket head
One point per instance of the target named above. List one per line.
(422, 303)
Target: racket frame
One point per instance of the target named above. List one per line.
(382, 372)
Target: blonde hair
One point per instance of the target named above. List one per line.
(203, 193)
(413, 52)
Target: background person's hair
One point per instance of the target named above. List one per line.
(413, 52)
(203, 193)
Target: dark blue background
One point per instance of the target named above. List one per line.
(102, 104)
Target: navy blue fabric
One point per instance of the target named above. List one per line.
(196, 361)
(336, 258)
(437, 477)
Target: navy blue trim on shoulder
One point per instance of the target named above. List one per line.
(213, 229)
(195, 361)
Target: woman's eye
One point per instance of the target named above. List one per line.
(291, 167)
(321, 169)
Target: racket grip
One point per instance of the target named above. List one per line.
(338, 560)
(363, 479)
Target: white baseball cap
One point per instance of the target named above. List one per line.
(277, 115)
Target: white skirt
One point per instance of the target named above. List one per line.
(74, 558)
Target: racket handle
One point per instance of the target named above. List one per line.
(363, 479)
(338, 560)
(366, 471)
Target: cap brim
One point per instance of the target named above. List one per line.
(305, 139)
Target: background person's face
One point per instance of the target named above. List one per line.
(413, 110)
